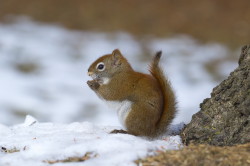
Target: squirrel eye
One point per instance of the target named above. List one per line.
(100, 66)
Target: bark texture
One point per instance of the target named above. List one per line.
(224, 119)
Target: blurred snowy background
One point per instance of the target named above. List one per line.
(43, 71)
(43, 68)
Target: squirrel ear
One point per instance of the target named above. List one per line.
(116, 57)
(116, 52)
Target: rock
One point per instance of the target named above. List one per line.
(224, 118)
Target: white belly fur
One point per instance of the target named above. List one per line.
(122, 107)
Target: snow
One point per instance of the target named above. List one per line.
(40, 142)
(29, 120)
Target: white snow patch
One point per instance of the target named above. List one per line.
(48, 141)
(29, 120)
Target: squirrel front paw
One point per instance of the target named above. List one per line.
(94, 85)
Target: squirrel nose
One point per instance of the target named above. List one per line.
(90, 73)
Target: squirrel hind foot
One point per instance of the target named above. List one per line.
(118, 132)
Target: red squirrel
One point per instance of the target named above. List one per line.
(145, 103)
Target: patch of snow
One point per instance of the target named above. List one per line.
(50, 142)
(4, 130)
(29, 120)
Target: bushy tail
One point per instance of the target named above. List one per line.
(169, 102)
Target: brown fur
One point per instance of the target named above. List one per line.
(153, 100)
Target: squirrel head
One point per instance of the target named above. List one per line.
(105, 67)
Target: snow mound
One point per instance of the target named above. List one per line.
(43, 143)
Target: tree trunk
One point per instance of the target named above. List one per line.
(224, 118)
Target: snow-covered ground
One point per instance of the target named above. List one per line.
(33, 143)
(43, 72)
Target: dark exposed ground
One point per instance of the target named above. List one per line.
(204, 155)
(87, 156)
(225, 21)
